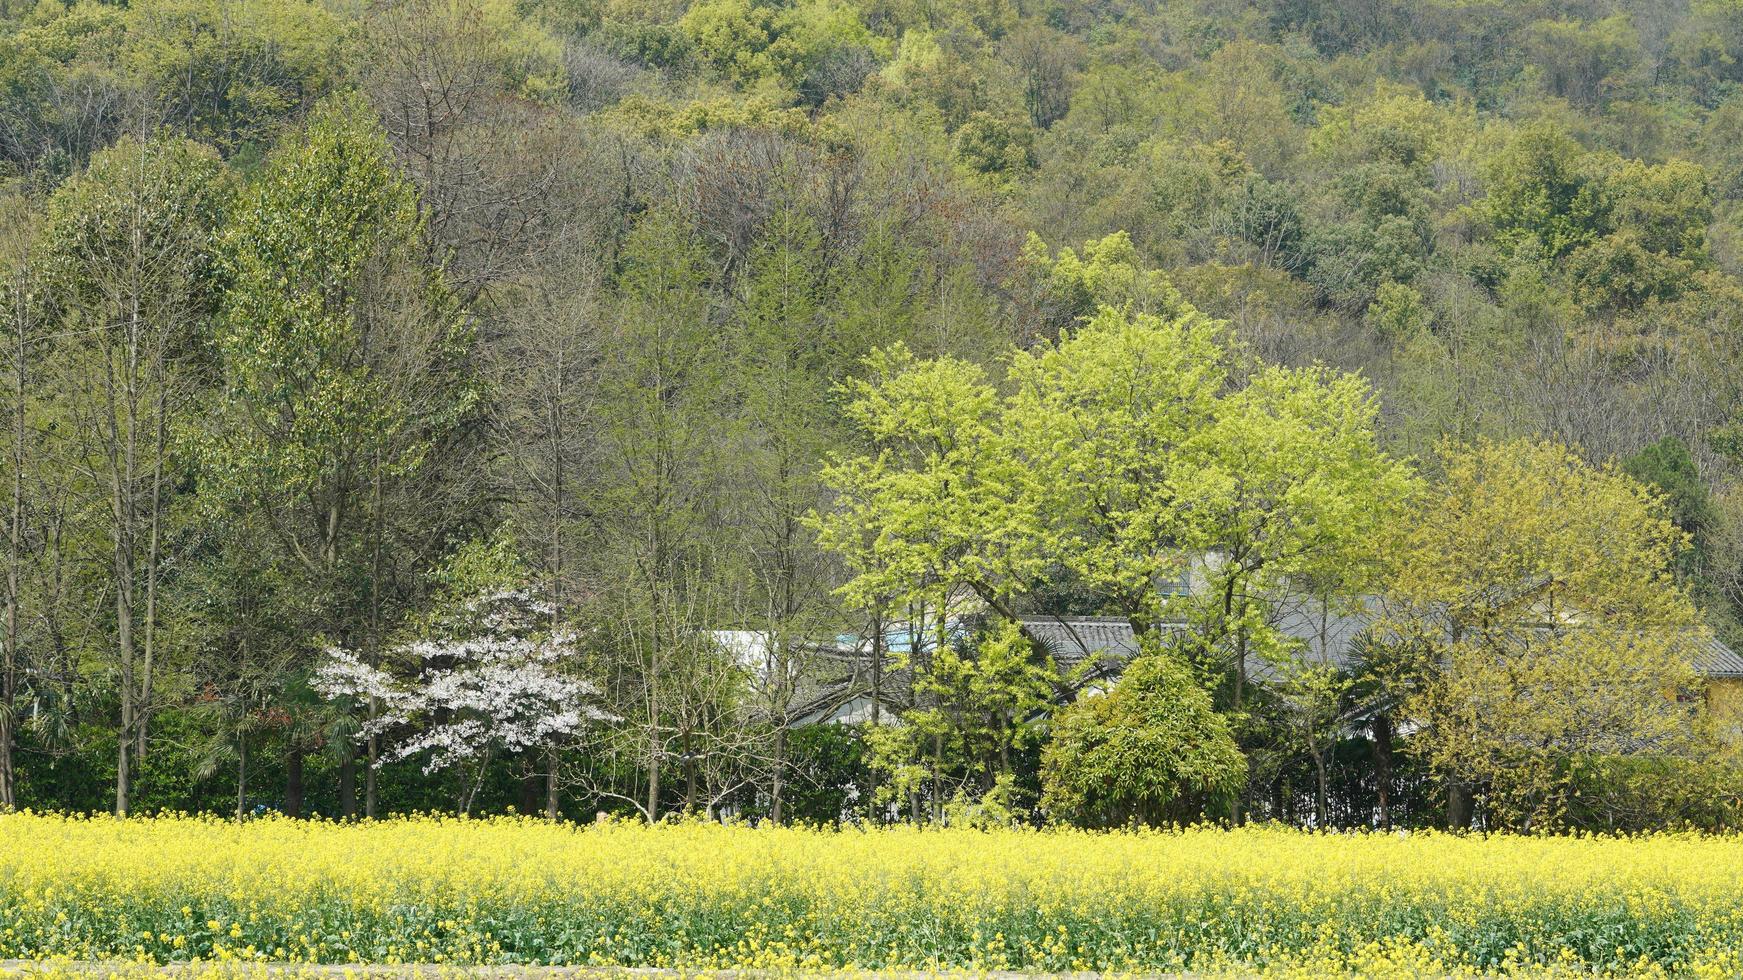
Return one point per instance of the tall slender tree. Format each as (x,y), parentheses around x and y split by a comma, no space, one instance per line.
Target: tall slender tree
(20,306)
(347,382)
(128,246)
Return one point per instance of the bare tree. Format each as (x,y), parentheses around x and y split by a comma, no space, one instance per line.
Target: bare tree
(494,166)
(128,250)
(17,295)
(544,369)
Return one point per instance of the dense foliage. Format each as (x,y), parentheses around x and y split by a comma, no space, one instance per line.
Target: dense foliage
(826,321)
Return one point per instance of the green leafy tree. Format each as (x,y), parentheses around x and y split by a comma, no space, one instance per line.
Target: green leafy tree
(128,246)
(346,383)
(1113,421)
(932,511)
(1155,479)
(983,695)
(1669,468)
(231,76)
(1152,750)
(663,567)
(1534,599)
(1540,198)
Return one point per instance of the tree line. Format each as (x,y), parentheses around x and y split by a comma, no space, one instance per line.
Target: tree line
(364,365)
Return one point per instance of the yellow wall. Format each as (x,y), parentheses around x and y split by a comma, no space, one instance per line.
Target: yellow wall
(1725,701)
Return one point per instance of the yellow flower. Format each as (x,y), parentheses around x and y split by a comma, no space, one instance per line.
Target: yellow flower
(463,892)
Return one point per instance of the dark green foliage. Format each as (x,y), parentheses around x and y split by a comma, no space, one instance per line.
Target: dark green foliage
(1150,751)
(1669,468)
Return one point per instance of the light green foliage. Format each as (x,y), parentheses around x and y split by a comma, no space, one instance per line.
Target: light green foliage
(1149,751)
(475,568)
(984,695)
(734,36)
(60,49)
(1538,196)
(128,263)
(1628,231)
(1537,605)
(1317,702)
(1068,287)
(225,74)
(1000,150)
(1583,62)
(527,54)
(1146,461)
(1668,205)
(978,701)
(932,506)
(151,206)
(1399,313)
(664,444)
(750,42)
(651,119)
(1125,456)
(1298,492)
(1394,126)
(1114,421)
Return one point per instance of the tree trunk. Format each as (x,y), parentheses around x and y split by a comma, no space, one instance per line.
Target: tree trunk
(555,564)
(470,793)
(552,811)
(1240,691)
(293,781)
(123,784)
(780,769)
(1320,794)
(1382,727)
(877,671)
(938,779)
(877,701)
(689,779)
(154,536)
(9,660)
(348,783)
(1458,806)
(124,737)
(241,779)
(369,772)
(370,793)
(119,441)
(653,776)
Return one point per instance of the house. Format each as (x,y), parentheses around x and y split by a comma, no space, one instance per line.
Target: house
(844,688)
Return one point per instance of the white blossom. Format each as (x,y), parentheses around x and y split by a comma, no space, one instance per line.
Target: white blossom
(493,683)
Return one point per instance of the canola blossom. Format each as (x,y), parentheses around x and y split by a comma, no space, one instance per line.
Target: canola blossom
(445,891)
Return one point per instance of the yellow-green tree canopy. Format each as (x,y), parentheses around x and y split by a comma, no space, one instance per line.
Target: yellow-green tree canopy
(1130,455)
(1532,596)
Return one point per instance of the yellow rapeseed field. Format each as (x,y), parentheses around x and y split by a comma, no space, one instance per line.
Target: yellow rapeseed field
(438,890)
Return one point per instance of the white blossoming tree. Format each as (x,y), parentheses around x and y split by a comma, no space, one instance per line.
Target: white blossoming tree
(488,675)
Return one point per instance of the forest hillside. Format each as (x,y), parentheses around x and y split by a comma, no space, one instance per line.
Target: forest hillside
(477,403)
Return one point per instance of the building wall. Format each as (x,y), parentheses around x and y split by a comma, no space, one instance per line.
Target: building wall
(1725,700)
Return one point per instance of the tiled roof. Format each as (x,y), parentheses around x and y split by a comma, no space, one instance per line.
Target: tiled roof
(1325,636)
(1073,640)
(1106,642)
(1718,660)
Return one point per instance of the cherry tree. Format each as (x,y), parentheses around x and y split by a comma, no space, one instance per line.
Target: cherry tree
(491,678)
